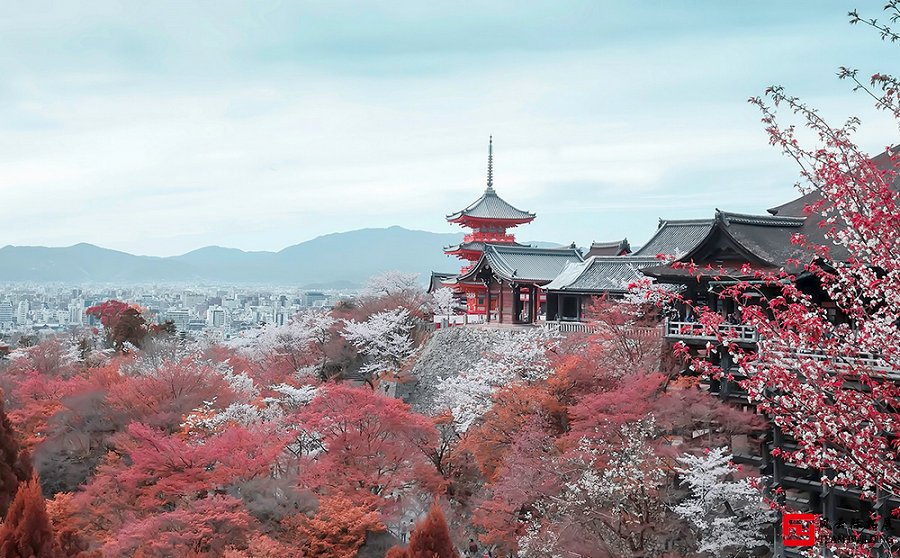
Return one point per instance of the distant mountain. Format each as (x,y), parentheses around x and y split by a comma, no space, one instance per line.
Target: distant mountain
(331,261)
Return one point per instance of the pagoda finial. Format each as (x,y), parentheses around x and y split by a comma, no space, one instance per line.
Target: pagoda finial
(490,177)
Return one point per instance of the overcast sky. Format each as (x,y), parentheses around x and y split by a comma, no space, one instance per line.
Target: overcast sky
(161,127)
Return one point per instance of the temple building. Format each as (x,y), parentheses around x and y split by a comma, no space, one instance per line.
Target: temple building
(512,277)
(764,242)
(615,248)
(571,293)
(489,219)
(508,283)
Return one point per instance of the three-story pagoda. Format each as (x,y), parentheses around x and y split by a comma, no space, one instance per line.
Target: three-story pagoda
(489,217)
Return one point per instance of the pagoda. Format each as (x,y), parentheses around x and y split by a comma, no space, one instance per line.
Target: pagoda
(489,218)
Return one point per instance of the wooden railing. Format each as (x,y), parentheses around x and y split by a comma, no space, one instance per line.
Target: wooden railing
(633,332)
(865,361)
(498,238)
(569,327)
(458,320)
(697,331)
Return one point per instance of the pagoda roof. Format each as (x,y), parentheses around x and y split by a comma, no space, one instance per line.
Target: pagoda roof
(524,263)
(491,207)
(474,246)
(674,236)
(614,248)
(600,274)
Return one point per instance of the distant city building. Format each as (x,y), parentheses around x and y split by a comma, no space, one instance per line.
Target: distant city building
(181,317)
(282,318)
(6,313)
(215,317)
(22,312)
(76,312)
(315,298)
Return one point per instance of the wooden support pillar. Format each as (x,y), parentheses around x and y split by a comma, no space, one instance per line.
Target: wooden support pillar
(487,301)
(500,304)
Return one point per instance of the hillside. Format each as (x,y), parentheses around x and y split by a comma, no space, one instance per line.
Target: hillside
(344,259)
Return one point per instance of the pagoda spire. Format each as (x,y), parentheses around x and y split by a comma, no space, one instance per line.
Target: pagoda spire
(490,176)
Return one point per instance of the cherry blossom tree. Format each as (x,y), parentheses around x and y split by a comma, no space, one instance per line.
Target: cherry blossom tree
(385,339)
(443,301)
(392,284)
(519,357)
(725,513)
(300,344)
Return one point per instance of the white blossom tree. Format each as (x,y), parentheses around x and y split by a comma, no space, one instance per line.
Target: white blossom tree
(385,339)
(516,357)
(391,283)
(300,342)
(442,300)
(727,516)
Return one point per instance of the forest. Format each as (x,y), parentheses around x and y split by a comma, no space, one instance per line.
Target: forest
(130,441)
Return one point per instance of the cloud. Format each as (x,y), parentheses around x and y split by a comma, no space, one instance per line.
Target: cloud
(158,128)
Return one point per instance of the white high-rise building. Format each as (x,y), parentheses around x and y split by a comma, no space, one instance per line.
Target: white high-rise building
(215,316)
(22,312)
(76,312)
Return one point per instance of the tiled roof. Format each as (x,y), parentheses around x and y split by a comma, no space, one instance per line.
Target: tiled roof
(438,278)
(676,237)
(491,206)
(767,237)
(600,274)
(473,246)
(764,239)
(613,248)
(525,263)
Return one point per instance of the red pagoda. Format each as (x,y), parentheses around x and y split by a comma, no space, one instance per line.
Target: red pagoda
(489,217)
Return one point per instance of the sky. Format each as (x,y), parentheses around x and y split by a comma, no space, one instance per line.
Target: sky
(160,127)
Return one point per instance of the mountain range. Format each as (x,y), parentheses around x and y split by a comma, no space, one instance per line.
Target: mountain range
(338,260)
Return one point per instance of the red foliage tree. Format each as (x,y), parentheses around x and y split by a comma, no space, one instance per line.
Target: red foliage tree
(366,445)
(430,539)
(164,483)
(64,520)
(15,465)
(204,527)
(26,531)
(337,530)
(123,323)
(162,397)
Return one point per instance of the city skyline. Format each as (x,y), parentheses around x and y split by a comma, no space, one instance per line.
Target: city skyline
(159,130)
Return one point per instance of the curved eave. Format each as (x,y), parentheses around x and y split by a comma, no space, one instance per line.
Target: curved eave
(586,292)
(669,272)
(466,220)
(470,255)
